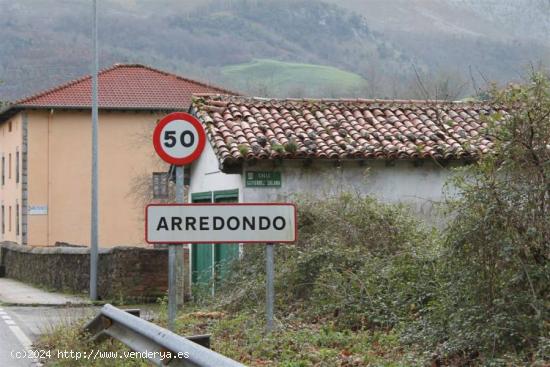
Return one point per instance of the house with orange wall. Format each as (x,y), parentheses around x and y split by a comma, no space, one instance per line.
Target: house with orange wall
(45,149)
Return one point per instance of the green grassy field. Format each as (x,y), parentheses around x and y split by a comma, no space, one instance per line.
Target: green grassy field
(273,77)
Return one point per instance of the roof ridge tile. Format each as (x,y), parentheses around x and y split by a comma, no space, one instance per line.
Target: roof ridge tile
(121,86)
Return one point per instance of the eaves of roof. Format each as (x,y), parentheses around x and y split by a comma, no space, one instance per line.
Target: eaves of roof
(242,129)
(11,110)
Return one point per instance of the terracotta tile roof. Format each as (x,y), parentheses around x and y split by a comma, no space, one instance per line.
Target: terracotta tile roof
(241,128)
(124,86)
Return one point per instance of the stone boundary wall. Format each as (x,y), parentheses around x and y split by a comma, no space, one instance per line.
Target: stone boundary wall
(129,273)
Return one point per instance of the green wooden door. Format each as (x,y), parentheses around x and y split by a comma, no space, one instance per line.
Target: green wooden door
(212,262)
(225,254)
(202,257)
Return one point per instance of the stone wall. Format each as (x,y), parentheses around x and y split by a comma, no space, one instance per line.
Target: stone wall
(130,273)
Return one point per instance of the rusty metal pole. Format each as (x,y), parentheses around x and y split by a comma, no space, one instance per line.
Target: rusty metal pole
(270,286)
(175,260)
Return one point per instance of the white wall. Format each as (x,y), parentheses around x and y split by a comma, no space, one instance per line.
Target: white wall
(206,175)
(421,187)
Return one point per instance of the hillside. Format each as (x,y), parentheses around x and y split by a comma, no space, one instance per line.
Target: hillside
(269,77)
(517,19)
(491,39)
(387,43)
(40,51)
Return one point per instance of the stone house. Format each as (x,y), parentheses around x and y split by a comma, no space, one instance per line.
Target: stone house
(263,150)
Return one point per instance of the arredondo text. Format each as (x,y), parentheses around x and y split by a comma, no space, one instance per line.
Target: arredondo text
(217,223)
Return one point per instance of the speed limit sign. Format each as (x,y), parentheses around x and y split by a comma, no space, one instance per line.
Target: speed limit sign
(179,138)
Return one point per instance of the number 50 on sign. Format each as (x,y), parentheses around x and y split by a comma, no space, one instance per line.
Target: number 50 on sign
(179,138)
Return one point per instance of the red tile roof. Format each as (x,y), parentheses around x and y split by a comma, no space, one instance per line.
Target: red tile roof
(124,86)
(241,128)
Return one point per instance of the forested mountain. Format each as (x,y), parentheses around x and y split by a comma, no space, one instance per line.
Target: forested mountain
(494,40)
(517,19)
(393,45)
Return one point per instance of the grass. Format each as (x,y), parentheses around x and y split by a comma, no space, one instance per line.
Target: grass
(241,336)
(295,343)
(66,334)
(70,338)
(278,77)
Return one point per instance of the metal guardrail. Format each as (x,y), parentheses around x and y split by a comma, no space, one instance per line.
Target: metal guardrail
(153,342)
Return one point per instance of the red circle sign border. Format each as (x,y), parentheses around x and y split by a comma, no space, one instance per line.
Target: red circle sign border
(179,116)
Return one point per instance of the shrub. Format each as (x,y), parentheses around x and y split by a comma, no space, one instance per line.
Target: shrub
(495,268)
(477,294)
(358,263)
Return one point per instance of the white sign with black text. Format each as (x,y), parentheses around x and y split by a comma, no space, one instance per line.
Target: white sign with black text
(220,223)
(38,210)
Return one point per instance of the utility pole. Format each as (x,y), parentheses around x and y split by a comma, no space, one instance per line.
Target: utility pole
(94,217)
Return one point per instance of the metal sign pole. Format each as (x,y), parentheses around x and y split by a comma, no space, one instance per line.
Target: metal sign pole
(180,266)
(270,286)
(174,260)
(171,287)
(178,139)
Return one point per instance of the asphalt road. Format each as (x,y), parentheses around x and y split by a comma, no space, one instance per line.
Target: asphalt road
(11,345)
(27,312)
(22,326)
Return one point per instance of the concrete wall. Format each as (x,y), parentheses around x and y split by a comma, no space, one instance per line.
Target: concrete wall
(420,185)
(11,139)
(59,158)
(124,272)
